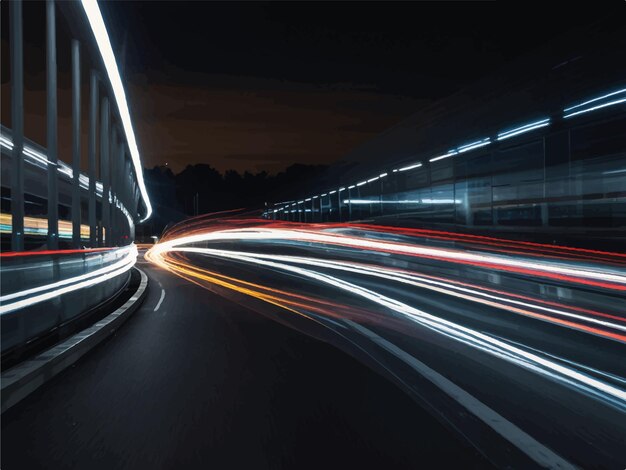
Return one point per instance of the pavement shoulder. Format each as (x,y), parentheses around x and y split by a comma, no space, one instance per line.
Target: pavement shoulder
(24,378)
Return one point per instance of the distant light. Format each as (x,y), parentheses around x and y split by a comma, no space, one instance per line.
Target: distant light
(473,145)
(403,201)
(382,175)
(34,157)
(334,191)
(361,183)
(104,45)
(523,129)
(373,179)
(410,167)
(6,142)
(600,106)
(441,157)
(352,186)
(618,92)
(325,194)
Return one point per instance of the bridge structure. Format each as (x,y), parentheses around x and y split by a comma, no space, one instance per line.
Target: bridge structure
(436,345)
(68,220)
(537,149)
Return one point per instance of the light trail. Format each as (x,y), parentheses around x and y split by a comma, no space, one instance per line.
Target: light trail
(34,295)
(94,16)
(599,277)
(193,239)
(39,226)
(472,293)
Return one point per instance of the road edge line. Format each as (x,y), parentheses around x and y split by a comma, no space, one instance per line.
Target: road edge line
(21,380)
(540,454)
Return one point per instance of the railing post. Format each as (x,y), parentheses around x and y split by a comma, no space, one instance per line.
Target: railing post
(321,209)
(112,241)
(17,118)
(119,188)
(76,206)
(93,116)
(135,204)
(339,204)
(105,226)
(51,121)
(349,204)
(127,187)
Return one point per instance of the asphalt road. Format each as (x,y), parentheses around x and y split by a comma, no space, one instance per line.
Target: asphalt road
(518,348)
(196,381)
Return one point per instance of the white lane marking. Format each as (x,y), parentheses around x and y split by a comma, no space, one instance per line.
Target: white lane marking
(523,441)
(160,300)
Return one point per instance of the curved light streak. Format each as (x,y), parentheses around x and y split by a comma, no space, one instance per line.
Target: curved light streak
(48,291)
(447,288)
(476,339)
(600,278)
(104,45)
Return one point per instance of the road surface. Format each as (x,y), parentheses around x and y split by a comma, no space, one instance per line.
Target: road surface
(195,381)
(518,346)
(511,349)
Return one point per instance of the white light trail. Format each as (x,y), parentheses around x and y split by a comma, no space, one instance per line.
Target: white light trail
(452,255)
(618,92)
(441,157)
(104,45)
(594,108)
(468,336)
(410,167)
(40,160)
(474,145)
(68,285)
(523,129)
(403,201)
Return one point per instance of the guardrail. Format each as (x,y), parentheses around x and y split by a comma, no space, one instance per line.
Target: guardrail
(45,290)
(49,204)
(105,211)
(35,174)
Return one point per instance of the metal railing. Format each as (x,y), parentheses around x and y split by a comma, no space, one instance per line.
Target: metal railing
(110,219)
(78,226)
(42,291)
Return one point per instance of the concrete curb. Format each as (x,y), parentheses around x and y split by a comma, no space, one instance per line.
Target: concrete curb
(25,378)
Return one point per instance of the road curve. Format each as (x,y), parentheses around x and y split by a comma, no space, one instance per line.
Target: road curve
(518,347)
(193,380)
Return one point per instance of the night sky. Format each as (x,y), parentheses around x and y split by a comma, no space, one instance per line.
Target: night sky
(256,86)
